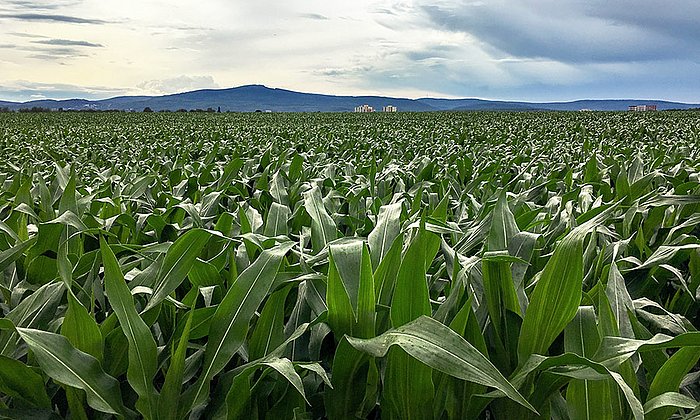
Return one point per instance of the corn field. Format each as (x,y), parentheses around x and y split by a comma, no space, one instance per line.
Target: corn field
(313,266)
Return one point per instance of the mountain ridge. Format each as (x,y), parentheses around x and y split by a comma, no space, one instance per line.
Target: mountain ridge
(249,98)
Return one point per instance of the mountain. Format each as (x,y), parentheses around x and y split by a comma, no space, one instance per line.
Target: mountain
(258,97)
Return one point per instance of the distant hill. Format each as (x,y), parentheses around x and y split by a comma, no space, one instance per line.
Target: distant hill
(250,98)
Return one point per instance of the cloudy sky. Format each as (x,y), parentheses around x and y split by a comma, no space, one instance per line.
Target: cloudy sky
(538,50)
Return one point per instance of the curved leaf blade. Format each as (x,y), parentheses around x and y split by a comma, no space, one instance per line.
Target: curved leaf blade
(66,364)
(442,349)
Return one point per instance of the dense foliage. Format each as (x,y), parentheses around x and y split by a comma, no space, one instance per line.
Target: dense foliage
(405,266)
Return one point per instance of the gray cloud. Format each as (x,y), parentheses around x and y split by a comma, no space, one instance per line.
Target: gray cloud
(344,72)
(22,90)
(41,17)
(52,52)
(56,53)
(313,16)
(575,32)
(41,5)
(432,53)
(25,35)
(68,43)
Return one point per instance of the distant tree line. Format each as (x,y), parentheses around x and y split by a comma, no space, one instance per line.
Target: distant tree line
(35,109)
(148,109)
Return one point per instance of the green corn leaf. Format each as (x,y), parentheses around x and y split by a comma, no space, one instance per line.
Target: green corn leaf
(669,377)
(557,295)
(20,382)
(620,301)
(269,329)
(503,307)
(385,231)
(614,351)
(577,367)
(444,350)
(143,361)
(80,328)
(586,399)
(35,311)
(408,386)
(229,326)
(285,368)
(169,399)
(177,263)
(323,228)
(457,396)
(385,281)
(503,226)
(65,364)
(11,255)
(350,293)
(277,217)
(670,401)
(350,374)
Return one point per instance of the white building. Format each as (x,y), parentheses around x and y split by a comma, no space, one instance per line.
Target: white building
(364,108)
(389,108)
(642,108)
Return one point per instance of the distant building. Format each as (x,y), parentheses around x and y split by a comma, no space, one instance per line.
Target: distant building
(364,108)
(389,108)
(640,108)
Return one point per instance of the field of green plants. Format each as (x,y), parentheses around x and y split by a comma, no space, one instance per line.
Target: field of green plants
(343,266)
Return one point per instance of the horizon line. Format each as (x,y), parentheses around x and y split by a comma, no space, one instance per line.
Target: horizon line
(350,95)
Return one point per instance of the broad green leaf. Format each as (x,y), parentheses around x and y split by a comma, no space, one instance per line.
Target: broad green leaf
(80,328)
(68,200)
(169,399)
(323,228)
(20,382)
(285,368)
(385,231)
(11,255)
(277,217)
(457,396)
(350,293)
(503,308)
(229,326)
(586,399)
(65,364)
(669,377)
(615,350)
(349,377)
(411,299)
(671,401)
(385,282)
(577,367)
(269,329)
(143,359)
(557,295)
(503,226)
(620,301)
(444,350)
(408,385)
(177,263)
(34,311)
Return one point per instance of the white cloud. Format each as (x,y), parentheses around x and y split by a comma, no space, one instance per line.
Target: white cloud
(177,84)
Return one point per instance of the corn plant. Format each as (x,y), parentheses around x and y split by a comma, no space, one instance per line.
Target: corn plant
(406,266)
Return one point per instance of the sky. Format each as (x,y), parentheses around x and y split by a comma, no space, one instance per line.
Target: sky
(537,50)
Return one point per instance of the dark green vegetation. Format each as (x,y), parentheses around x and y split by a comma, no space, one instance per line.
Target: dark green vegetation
(407,266)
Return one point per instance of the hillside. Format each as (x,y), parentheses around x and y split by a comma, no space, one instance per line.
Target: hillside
(250,98)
